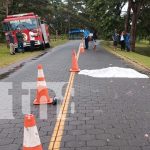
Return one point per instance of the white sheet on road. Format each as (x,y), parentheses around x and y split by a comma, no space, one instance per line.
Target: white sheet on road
(113,72)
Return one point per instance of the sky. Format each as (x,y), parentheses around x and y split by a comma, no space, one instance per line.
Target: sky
(124,9)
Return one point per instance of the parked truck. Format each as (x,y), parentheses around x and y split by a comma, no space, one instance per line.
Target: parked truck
(27,22)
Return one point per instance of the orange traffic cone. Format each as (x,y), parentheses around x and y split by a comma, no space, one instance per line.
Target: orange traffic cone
(82,50)
(31,140)
(42,96)
(75,67)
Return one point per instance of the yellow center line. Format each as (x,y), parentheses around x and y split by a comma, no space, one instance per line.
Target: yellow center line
(59,126)
(78,52)
(60,123)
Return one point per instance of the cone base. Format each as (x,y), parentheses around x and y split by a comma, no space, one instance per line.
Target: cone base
(50,101)
(81,50)
(74,70)
(33,148)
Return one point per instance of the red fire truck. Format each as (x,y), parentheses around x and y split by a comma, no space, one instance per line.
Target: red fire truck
(27,22)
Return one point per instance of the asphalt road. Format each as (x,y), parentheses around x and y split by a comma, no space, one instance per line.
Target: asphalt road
(109,114)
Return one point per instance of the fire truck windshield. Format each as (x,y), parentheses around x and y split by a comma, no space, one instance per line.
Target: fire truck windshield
(22,24)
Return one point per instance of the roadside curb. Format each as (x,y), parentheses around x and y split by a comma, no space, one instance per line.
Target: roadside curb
(135,64)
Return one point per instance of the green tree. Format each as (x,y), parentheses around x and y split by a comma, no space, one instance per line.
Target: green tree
(137,7)
(144,24)
(106,15)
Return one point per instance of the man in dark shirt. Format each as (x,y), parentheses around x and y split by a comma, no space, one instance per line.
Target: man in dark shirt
(94,39)
(11,43)
(86,37)
(115,39)
(20,40)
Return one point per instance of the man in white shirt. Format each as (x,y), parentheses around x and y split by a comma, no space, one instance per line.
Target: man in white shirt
(32,39)
(122,41)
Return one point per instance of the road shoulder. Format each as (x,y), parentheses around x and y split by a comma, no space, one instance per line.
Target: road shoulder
(133,63)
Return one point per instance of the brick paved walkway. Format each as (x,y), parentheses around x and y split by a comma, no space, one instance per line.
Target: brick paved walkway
(110,114)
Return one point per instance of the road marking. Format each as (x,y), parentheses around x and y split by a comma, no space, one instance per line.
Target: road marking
(78,52)
(60,123)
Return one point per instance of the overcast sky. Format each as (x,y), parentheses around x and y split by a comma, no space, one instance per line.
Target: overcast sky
(125,7)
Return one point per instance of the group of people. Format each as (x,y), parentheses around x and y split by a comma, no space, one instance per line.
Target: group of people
(20,40)
(88,37)
(123,39)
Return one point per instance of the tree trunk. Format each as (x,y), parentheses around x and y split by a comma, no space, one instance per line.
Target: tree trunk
(6,5)
(128,17)
(133,30)
(137,8)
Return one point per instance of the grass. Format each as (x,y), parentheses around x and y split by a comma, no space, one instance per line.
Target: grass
(143,48)
(141,56)
(7,59)
(57,42)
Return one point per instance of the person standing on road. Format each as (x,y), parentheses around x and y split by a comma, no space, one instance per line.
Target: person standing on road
(86,37)
(11,43)
(115,39)
(94,39)
(20,39)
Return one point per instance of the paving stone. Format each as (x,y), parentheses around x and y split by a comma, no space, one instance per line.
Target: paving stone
(95,131)
(74,144)
(4,121)
(108,148)
(6,126)
(18,141)
(118,142)
(10,130)
(85,137)
(145,148)
(45,139)
(96,143)
(85,127)
(68,138)
(130,147)
(70,127)
(76,122)
(110,114)
(67,148)
(15,135)
(76,132)
(86,148)
(104,136)
(6,141)
(10,147)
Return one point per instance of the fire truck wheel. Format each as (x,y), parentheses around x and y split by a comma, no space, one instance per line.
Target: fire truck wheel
(47,45)
(42,46)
